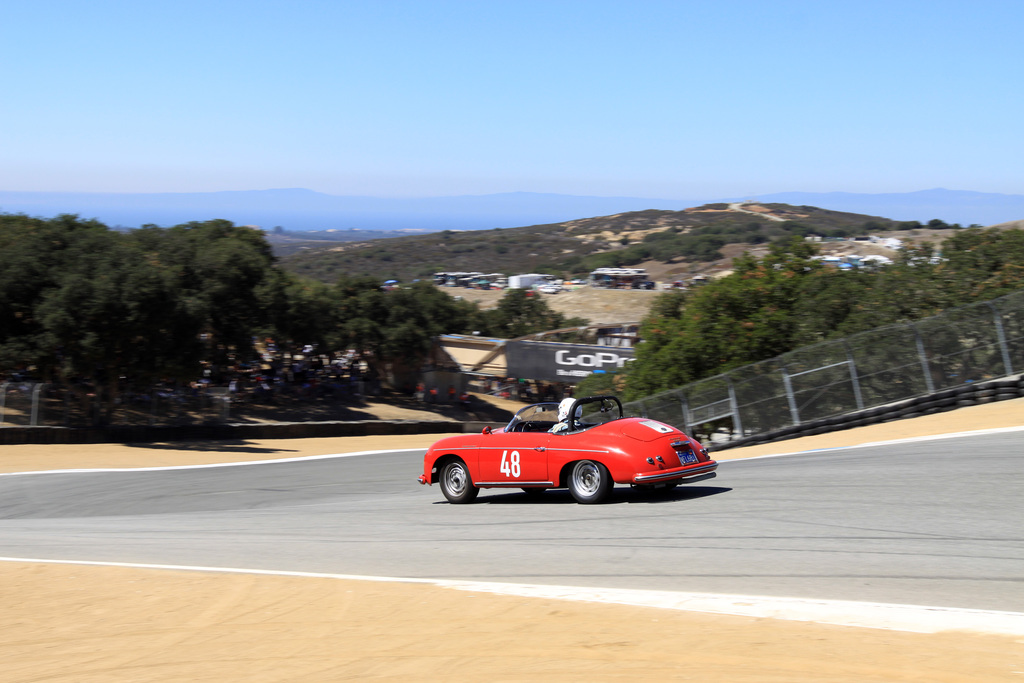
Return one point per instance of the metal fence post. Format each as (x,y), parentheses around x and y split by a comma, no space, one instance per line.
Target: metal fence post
(686,412)
(790,396)
(33,420)
(853,376)
(737,423)
(1001,335)
(928,382)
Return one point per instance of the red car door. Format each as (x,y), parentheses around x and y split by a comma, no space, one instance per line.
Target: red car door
(514,459)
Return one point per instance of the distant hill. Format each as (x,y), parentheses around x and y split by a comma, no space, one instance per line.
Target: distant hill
(688,239)
(306,210)
(951,206)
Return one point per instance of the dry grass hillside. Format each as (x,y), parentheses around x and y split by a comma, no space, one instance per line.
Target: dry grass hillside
(596,305)
(573,248)
(686,240)
(1011,225)
(613,306)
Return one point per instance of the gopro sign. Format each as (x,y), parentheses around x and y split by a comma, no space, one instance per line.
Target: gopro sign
(563,362)
(597,361)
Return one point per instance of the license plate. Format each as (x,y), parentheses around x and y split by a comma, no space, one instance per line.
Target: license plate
(687,457)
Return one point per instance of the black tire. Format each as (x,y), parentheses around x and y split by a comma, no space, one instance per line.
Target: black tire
(456,484)
(590,482)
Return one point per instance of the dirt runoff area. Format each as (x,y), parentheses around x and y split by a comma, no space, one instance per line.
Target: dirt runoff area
(75,623)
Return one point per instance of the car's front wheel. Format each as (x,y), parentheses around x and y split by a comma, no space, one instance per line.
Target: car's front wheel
(590,482)
(456,484)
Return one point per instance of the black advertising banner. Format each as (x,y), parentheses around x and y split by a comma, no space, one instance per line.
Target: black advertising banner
(555,362)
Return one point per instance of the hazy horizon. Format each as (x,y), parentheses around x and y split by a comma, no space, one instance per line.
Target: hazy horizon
(301,209)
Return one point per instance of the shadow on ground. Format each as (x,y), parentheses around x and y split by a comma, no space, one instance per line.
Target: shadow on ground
(209,445)
(620,495)
(387,405)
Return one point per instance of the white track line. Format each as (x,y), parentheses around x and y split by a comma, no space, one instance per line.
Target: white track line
(909,618)
(213,464)
(891,442)
(957,435)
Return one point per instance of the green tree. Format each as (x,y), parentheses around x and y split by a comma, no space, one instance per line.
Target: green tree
(519,313)
(222,268)
(117,314)
(986,263)
(745,317)
(300,311)
(80,300)
(395,330)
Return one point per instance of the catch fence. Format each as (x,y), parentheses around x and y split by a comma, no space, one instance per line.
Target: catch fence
(38,404)
(961,346)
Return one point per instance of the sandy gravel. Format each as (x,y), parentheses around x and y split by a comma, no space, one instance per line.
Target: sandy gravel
(67,623)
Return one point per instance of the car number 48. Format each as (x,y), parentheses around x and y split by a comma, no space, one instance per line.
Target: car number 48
(510,464)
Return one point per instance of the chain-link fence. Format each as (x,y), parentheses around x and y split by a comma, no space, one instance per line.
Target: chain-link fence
(28,403)
(965,345)
(38,404)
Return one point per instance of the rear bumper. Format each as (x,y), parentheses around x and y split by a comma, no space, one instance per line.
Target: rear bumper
(682,474)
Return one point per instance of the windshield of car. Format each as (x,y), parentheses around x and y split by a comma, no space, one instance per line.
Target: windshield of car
(538,412)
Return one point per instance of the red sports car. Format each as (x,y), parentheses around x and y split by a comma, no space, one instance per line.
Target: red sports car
(587,447)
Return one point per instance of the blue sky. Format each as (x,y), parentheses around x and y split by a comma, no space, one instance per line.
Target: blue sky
(396,98)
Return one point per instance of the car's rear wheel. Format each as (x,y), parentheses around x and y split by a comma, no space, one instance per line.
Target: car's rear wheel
(590,482)
(456,484)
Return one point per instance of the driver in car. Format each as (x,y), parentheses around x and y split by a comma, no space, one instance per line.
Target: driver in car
(563,415)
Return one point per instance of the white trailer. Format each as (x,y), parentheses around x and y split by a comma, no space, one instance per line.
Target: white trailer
(529,280)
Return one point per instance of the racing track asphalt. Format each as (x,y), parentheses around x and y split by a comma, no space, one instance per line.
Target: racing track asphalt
(928,523)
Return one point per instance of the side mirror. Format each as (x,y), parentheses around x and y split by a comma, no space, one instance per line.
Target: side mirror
(486,430)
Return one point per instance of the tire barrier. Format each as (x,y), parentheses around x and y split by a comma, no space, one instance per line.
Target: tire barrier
(977,393)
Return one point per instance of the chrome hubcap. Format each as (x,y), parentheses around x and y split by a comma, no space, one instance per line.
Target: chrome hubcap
(455,479)
(587,477)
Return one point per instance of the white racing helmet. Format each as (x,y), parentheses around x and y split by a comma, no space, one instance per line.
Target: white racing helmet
(565,406)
